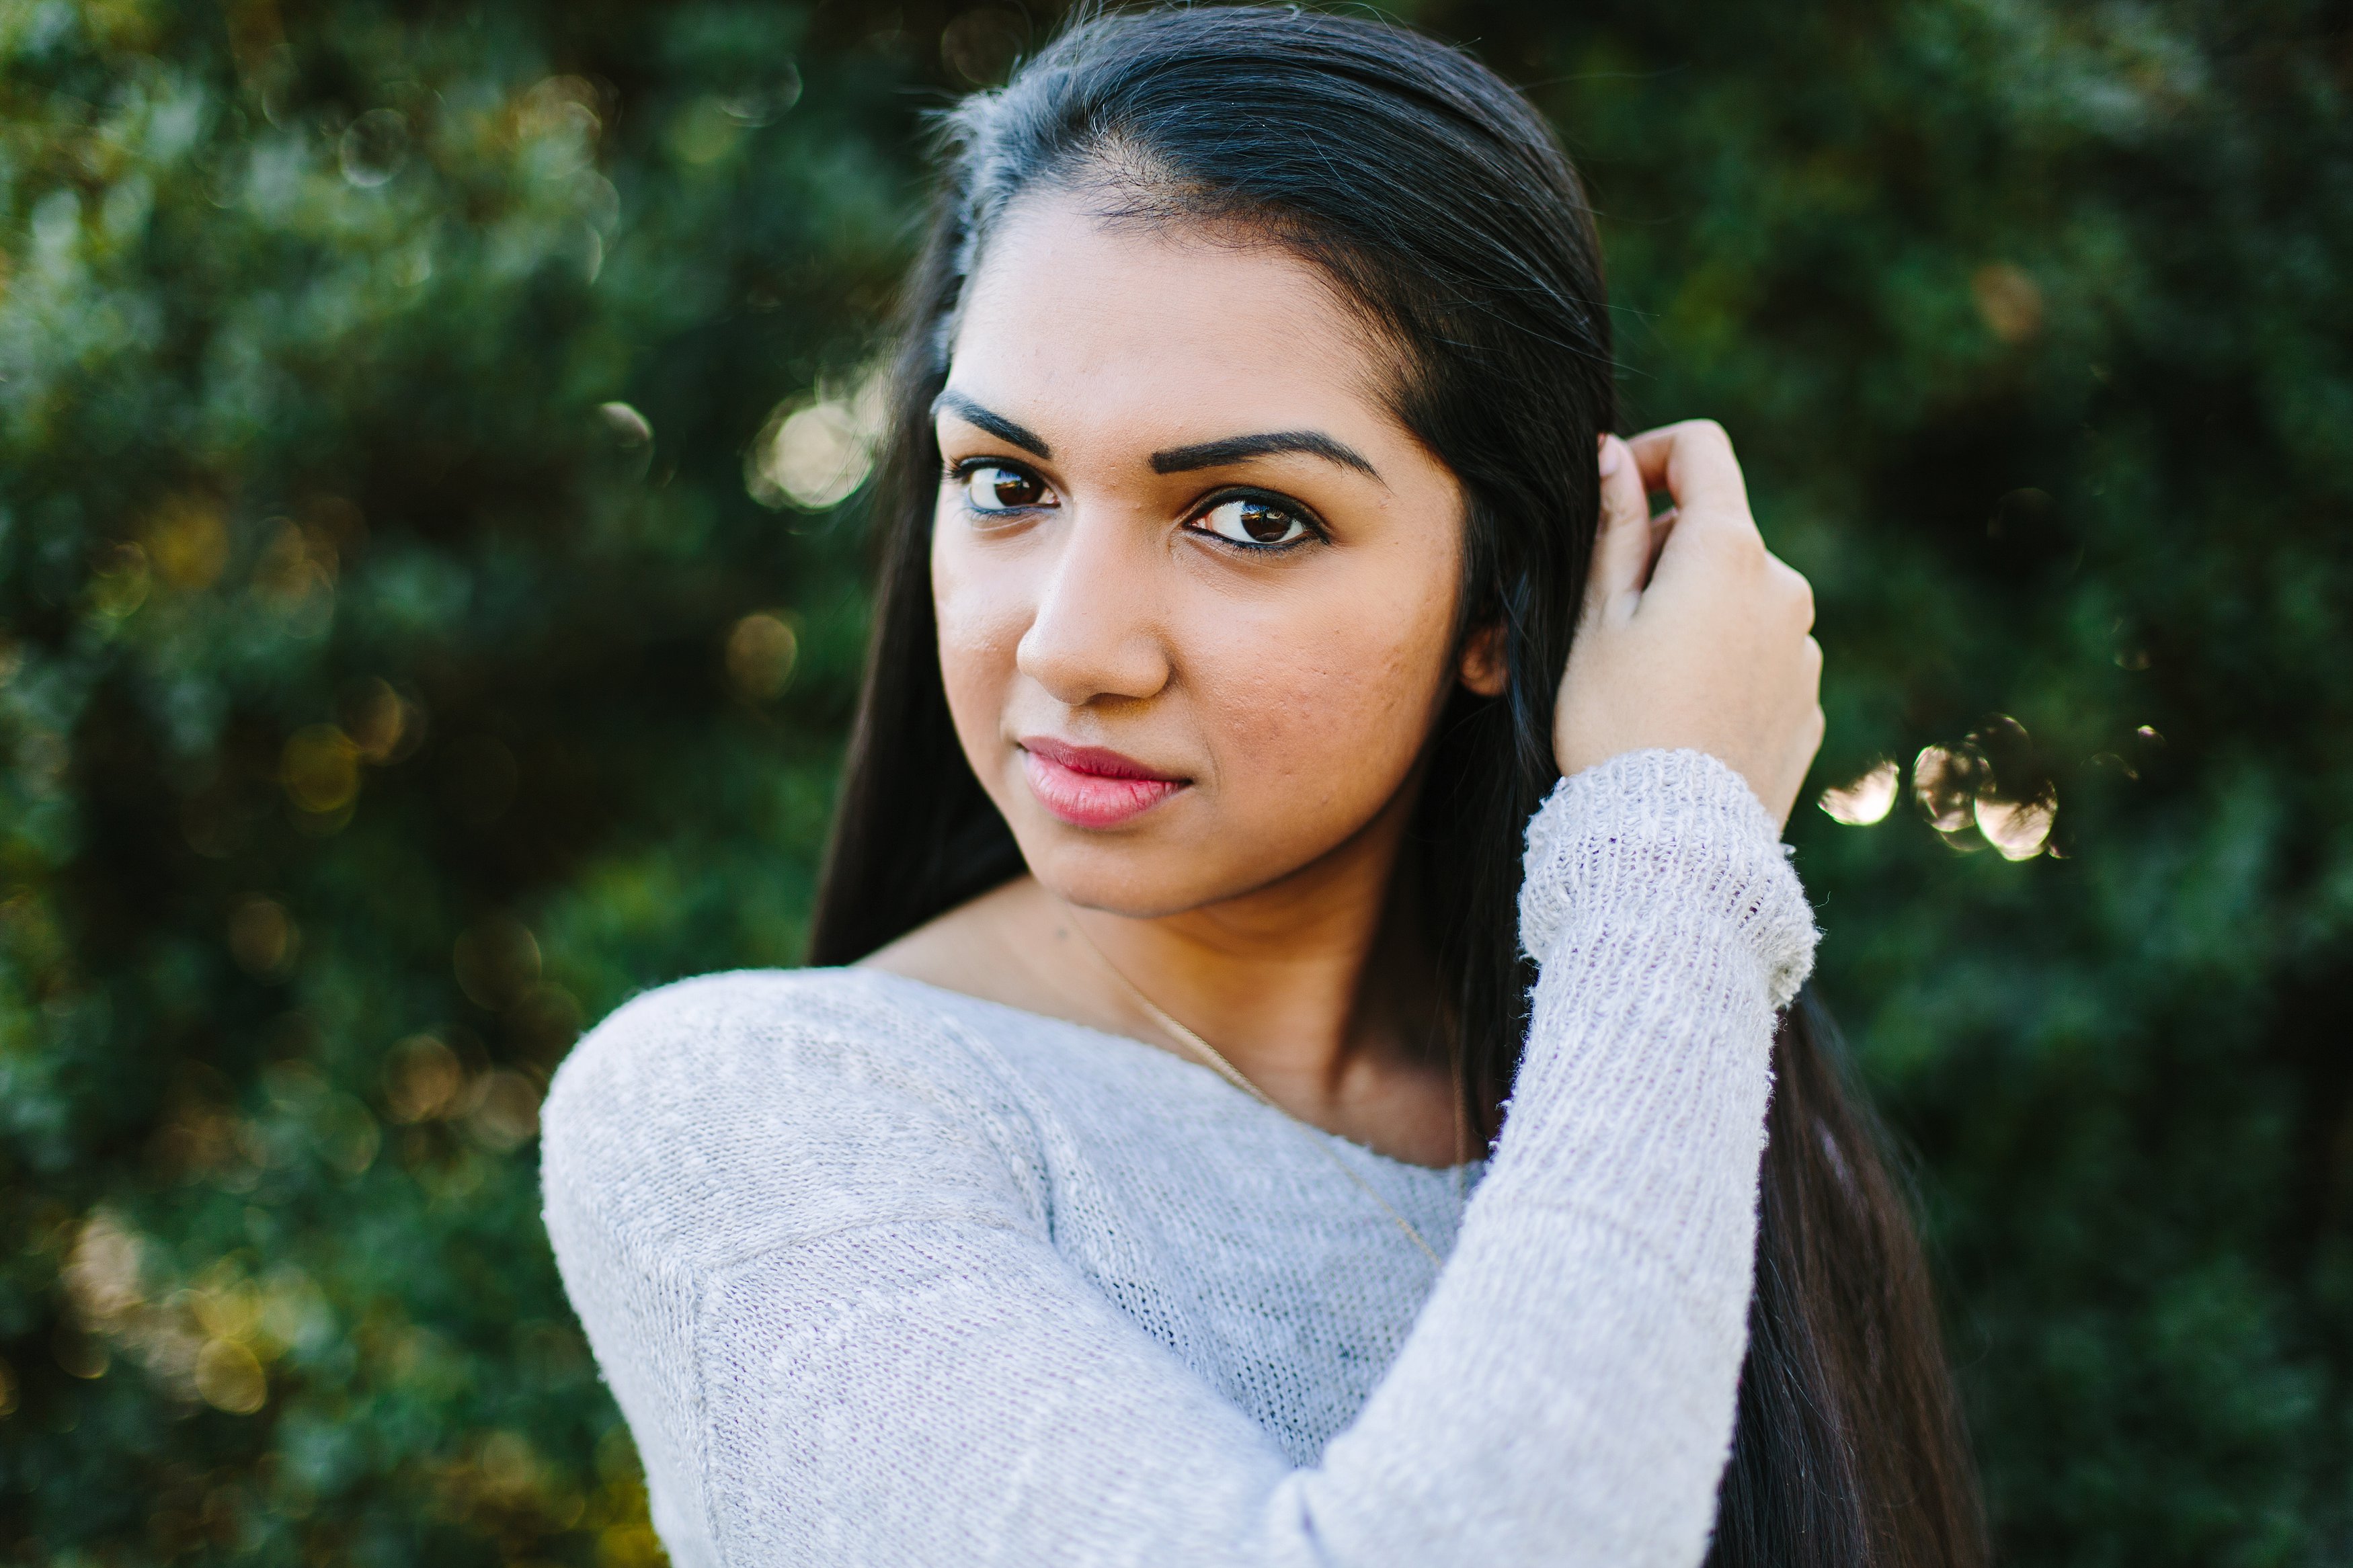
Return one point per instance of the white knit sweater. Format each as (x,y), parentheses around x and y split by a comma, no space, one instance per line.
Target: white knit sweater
(881,1274)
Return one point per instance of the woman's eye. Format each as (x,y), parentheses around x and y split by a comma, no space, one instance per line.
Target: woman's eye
(992,486)
(1247,520)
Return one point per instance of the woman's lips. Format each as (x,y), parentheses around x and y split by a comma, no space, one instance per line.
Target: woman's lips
(1087,786)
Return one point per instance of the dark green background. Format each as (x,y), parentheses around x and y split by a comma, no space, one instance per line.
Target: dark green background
(367,717)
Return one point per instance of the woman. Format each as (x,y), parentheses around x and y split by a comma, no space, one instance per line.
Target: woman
(1212,896)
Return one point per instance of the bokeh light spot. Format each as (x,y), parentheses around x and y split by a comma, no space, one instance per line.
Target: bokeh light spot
(345,1135)
(761,106)
(2008,301)
(497,961)
(628,428)
(320,769)
(119,581)
(383,725)
(102,1276)
(813,455)
(703,131)
(761,652)
(79,1354)
(506,1111)
(296,574)
(1867,800)
(263,938)
(422,1079)
(230,1378)
(1943,780)
(561,109)
(981,45)
(373,148)
(2017,829)
(187,540)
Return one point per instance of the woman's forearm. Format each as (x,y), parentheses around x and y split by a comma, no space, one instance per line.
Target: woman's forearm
(1568,1392)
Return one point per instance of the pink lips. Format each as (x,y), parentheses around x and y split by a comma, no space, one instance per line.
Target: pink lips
(1087,786)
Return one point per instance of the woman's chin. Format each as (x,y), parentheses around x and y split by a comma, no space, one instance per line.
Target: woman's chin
(1140,876)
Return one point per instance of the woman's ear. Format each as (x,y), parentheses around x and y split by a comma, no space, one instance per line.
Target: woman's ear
(1483,669)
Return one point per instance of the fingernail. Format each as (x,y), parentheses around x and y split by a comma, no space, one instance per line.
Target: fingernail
(1613,454)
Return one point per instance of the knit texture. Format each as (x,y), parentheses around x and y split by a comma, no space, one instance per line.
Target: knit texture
(881,1274)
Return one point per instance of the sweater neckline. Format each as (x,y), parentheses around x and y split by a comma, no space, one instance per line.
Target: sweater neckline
(1197,1072)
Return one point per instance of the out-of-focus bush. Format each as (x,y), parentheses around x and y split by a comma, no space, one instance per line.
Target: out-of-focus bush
(398,672)
(425,619)
(2035,326)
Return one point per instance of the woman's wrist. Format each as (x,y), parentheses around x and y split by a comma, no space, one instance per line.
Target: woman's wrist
(1679,826)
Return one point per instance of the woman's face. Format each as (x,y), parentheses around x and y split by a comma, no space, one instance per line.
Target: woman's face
(1195,584)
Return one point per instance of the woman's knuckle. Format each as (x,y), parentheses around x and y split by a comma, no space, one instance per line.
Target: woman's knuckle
(1726,544)
(1788,582)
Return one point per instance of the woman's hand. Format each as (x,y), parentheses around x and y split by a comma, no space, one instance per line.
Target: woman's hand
(1694,634)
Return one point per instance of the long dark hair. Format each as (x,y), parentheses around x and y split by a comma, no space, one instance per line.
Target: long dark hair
(1444,209)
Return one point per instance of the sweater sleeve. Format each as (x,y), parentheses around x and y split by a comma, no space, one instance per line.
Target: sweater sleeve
(820,1272)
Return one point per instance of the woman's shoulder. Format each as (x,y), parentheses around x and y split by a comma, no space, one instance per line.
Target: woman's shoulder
(768,1019)
(763,1090)
(753,1024)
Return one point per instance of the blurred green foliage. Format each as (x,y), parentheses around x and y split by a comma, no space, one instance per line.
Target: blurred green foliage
(423,623)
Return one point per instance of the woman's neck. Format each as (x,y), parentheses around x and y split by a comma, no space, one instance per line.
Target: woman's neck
(1316,986)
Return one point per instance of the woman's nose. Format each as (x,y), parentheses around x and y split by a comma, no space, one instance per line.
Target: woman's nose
(1096,632)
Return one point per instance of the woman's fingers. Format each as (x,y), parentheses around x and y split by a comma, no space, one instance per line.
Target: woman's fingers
(1693,463)
(1622,546)
(1662,527)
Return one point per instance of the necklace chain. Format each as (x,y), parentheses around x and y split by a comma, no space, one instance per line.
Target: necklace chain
(1216,1061)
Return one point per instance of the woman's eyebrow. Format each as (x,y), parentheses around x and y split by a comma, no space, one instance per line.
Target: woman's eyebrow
(996,425)
(1235,448)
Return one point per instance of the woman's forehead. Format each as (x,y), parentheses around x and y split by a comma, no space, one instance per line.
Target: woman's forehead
(1172,333)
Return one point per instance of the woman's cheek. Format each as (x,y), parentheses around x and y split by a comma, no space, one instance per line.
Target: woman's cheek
(980,628)
(1329,728)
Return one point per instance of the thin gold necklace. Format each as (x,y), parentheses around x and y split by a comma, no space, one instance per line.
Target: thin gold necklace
(1215,1059)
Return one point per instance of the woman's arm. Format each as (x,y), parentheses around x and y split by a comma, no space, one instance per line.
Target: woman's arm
(1567,1396)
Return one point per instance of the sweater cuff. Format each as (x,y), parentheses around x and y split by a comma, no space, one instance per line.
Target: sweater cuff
(1679,824)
